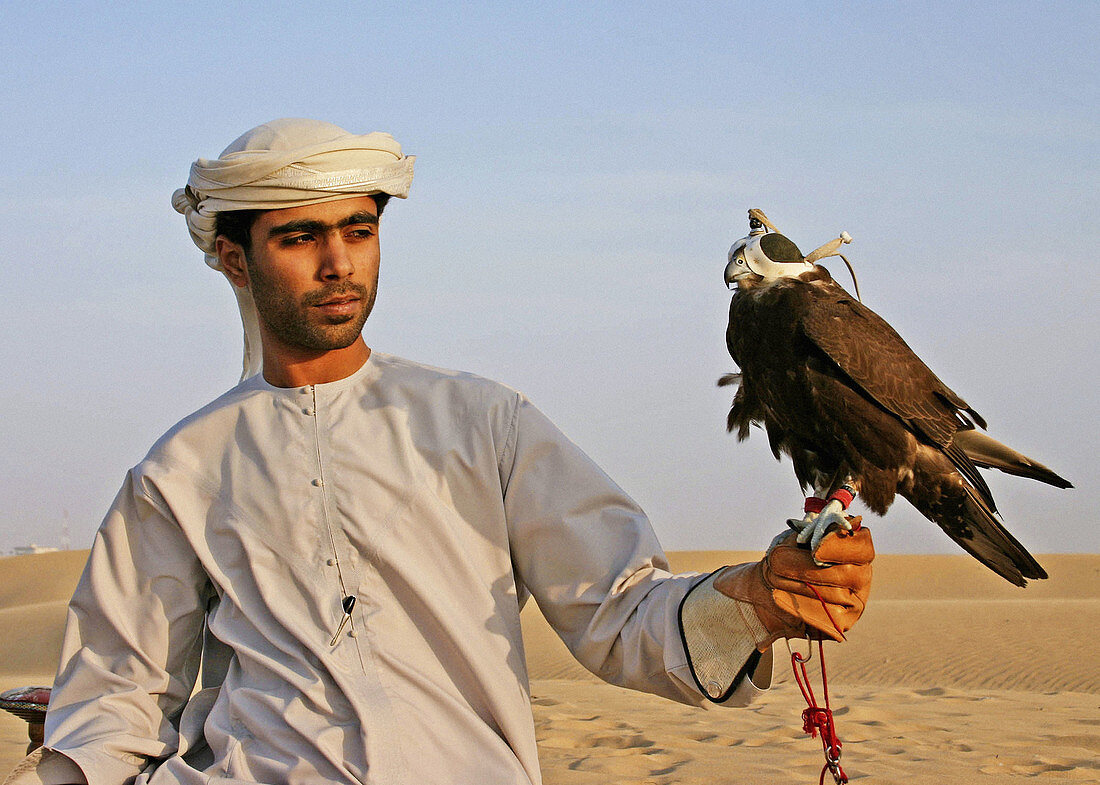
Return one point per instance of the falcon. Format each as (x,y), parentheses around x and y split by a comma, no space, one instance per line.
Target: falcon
(858,413)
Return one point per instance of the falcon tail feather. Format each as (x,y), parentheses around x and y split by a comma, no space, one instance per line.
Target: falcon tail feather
(989,453)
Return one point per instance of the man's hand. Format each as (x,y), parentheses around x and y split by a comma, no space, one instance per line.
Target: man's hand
(792,595)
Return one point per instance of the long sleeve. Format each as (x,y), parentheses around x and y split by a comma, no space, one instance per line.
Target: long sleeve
(132,644)
(587,554)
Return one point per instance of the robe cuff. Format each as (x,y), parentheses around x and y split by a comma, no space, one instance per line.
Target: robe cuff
(46,767)
(721,637)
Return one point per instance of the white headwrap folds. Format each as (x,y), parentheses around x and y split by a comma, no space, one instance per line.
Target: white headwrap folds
(286,163)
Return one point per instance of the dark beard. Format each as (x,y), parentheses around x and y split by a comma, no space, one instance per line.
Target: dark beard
(289,320)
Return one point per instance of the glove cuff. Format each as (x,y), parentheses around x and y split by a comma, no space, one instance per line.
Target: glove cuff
(723,638)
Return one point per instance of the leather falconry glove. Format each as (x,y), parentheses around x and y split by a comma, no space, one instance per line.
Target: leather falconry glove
(793,596)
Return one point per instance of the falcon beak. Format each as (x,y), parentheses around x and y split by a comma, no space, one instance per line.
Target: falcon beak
(732,272)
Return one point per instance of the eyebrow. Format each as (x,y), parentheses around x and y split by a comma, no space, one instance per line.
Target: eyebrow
(313,226)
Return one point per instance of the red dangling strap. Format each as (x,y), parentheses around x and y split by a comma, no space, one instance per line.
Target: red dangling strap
(816,718)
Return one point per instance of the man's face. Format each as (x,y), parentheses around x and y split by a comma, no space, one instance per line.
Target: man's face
(313,274)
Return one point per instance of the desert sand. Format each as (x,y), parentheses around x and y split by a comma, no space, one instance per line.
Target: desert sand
(952,676)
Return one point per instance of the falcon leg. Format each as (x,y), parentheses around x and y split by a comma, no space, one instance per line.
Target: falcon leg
(832,514)
(813,527)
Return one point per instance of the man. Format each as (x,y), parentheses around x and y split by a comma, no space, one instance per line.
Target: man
(336,551)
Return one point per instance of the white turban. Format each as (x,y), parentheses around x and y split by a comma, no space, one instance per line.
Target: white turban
(286,163)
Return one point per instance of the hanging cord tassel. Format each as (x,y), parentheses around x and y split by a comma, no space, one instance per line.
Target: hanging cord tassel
(816,718)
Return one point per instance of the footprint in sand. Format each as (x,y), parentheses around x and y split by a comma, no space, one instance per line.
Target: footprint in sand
(1032,767)
(931,691)
(629,766)
(616,741)
(703,737)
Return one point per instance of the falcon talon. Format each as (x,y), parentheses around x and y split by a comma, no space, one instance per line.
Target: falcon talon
(797,524)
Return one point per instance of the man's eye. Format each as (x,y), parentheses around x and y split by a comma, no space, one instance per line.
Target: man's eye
(297,239)
(361,234)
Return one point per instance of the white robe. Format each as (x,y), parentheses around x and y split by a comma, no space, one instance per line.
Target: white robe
(440,501)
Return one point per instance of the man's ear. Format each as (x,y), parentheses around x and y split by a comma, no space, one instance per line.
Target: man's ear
(232,258)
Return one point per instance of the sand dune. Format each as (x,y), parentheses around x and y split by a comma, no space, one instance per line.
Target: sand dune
(952,676)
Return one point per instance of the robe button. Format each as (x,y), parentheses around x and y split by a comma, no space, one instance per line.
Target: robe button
(330,562)
(351,633)
(308,410)
(303,390)
(714,690)
(315,483)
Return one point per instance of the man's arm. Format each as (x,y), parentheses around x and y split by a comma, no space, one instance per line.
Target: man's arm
(588,555)
(132,644)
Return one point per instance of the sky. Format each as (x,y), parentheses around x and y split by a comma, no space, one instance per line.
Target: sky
(582,169)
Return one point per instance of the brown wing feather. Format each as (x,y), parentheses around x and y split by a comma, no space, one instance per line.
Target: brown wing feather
(943,496)
(870,352)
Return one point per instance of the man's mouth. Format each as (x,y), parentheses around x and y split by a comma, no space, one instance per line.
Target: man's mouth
(342,305)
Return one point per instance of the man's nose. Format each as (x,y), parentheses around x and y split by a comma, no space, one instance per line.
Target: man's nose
(336,262)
